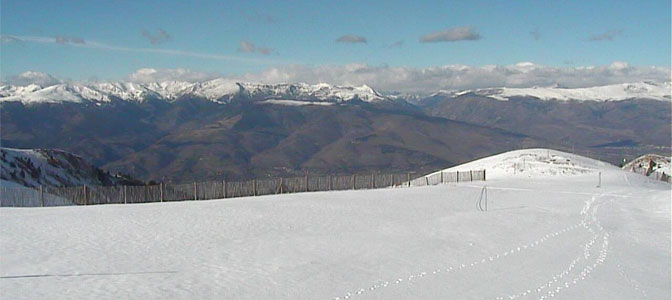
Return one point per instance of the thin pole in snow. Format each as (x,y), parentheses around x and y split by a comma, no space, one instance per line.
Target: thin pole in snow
(41,196)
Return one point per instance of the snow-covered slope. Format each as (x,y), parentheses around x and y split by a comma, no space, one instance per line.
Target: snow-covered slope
(615,92)
(218,90)
(652,165)
(51,167)
(302,91)
(534,163)
(542,237)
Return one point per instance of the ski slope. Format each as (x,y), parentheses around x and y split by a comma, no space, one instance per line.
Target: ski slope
(546,234)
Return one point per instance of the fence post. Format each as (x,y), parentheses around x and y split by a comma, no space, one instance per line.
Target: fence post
(306,181)
(195,192)
(41,196)
(224,188)
(354,180)
(330,184)
(408,178)
(86,197)
(483,174)
(125,197)
(471,175)
(281,183)
(441,176)
(254,187)
(426,180)
(161,191)
(373,181)
(458,176)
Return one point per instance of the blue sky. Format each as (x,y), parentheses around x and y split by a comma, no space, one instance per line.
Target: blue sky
(105,40)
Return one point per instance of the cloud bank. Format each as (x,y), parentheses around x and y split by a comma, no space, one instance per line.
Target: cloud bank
(31,77)
(414,80)
(147,75)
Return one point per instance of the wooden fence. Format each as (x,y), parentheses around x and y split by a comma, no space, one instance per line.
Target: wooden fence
(91,195)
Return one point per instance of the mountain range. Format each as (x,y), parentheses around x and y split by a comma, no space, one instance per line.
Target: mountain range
(213,129)
(225,90)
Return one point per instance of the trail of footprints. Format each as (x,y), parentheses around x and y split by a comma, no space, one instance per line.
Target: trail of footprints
(383,284)
(545,290)
(634,284)
(555,281)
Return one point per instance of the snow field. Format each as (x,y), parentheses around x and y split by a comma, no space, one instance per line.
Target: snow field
(543,237)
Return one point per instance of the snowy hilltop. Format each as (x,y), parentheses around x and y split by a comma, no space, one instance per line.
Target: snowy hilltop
(652,165)
(534,162)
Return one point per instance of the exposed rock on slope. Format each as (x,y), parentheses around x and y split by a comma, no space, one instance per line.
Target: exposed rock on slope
(652,165)
(50,167)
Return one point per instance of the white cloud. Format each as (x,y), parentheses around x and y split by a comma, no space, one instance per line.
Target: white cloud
(451,35)
(32,77)
(157,75)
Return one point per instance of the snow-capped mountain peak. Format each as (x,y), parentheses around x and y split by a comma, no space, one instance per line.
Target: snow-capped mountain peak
(307,92)
(218,90)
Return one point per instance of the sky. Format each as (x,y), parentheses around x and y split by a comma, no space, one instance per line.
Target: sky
(271,40)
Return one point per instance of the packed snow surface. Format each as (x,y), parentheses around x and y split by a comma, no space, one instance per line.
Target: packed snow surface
(543,236)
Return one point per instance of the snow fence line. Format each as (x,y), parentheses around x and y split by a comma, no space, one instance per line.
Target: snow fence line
(209,190)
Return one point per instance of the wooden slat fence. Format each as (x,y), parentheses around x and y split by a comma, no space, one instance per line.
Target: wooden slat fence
(91,195)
